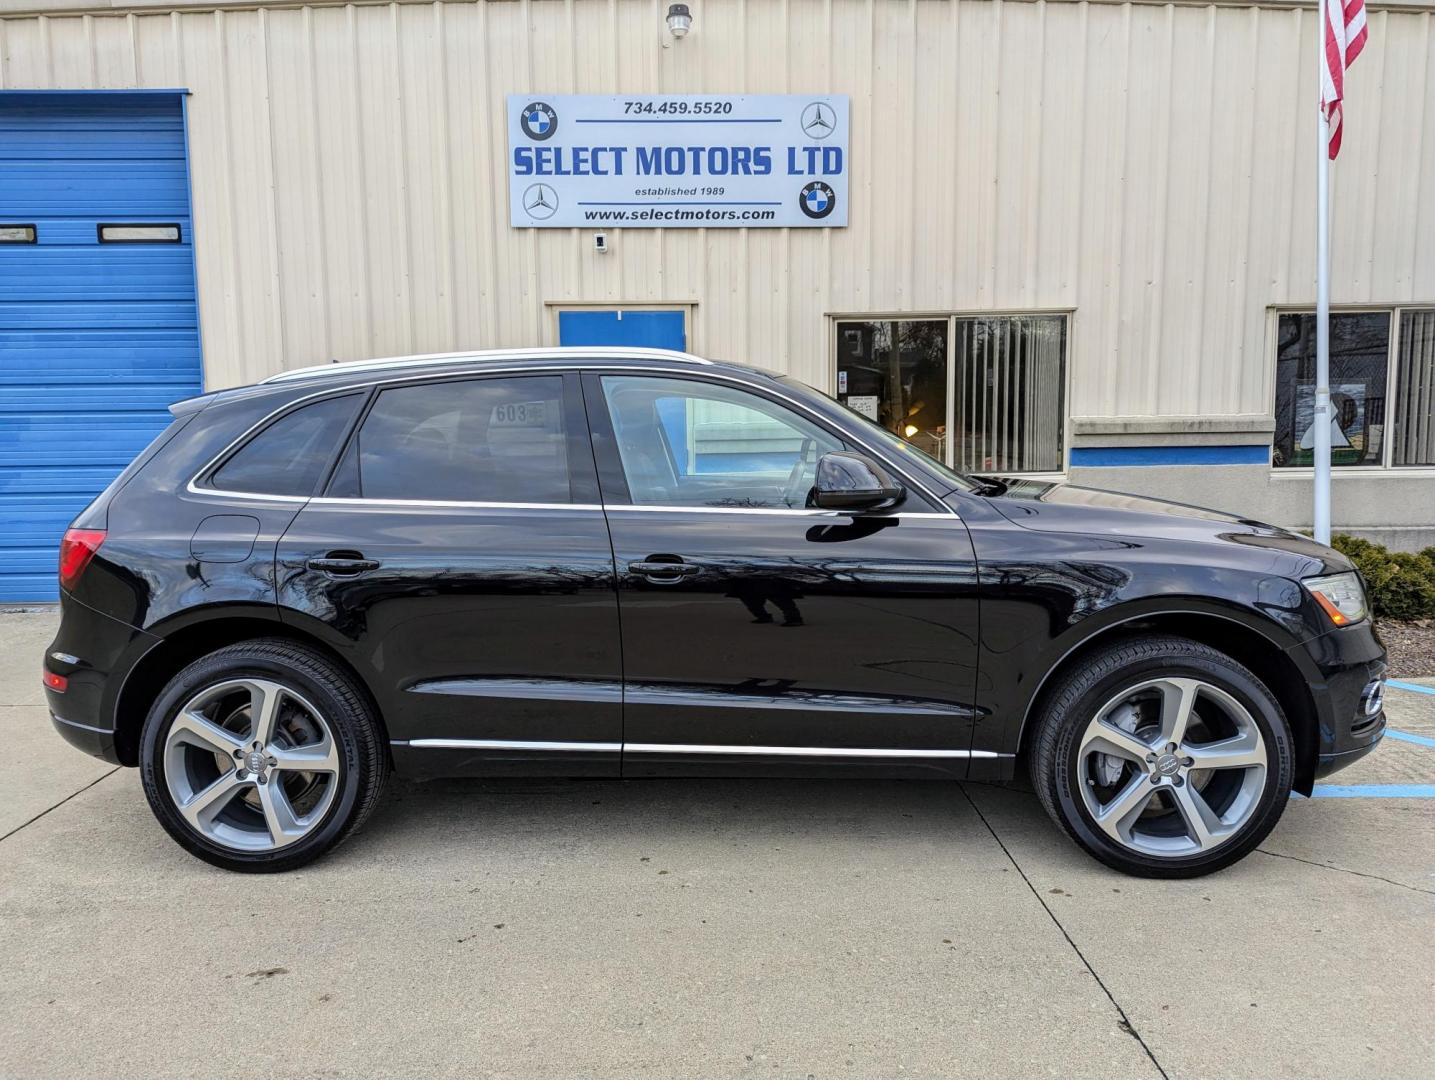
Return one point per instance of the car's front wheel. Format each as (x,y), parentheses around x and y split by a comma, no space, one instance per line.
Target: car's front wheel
(261,756)
(1163,757)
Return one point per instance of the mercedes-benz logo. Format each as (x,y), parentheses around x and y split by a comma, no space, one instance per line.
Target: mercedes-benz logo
(818,120)
(540,201)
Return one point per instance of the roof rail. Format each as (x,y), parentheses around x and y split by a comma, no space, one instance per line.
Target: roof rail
(596,352)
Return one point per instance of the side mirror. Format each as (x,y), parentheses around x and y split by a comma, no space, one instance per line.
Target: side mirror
(847,481)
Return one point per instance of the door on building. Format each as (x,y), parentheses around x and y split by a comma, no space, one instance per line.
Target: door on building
(99,331)
(640,328)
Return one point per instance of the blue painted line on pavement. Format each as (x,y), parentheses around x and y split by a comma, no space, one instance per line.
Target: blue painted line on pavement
(1416,687)
(1405,736)
(1374,791)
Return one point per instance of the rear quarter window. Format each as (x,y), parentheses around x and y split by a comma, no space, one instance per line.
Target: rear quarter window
(290,455)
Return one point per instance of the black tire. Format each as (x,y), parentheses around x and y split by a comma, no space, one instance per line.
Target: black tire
(357,734)
(1078,696)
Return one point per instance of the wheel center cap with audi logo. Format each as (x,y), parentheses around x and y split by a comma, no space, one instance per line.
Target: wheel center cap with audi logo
(1168,765)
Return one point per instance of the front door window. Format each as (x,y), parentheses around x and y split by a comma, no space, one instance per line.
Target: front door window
(686,443)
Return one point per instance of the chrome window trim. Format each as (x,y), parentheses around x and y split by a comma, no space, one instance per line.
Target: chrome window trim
(802,510)
(696,748)
(225,493)
(447,504)
(614,364)
(455,504)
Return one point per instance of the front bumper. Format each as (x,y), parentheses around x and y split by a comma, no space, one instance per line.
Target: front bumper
(1348,694)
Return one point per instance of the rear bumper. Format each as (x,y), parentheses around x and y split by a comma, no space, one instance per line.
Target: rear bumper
(97,742)
(94,652)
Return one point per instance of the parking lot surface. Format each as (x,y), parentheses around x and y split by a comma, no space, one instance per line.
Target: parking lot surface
(706,928)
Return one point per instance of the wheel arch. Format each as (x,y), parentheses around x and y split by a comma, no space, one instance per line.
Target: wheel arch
(1253,647)
(181,645)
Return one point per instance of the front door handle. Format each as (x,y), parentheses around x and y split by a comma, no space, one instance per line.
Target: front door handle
(663,570)
(342,562)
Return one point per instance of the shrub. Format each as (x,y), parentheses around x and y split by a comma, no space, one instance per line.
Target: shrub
(1400,584)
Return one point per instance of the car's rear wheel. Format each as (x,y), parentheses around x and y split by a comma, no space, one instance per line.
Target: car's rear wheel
(1163,757)
(261,756)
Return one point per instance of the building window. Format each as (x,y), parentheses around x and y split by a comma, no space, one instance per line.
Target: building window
(895,372)
(981,393)
(1413,437)
(137,234)
(1382,365)
(1010,383)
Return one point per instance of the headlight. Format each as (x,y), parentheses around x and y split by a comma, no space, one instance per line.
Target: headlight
(1340,596)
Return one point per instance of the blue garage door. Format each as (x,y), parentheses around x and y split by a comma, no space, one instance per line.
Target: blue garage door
(99,331)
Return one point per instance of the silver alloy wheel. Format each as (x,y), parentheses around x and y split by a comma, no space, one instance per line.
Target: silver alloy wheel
(251,765)
(1172,767)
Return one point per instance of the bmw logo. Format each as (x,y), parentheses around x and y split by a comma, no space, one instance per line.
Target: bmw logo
(817,199)
(538,120)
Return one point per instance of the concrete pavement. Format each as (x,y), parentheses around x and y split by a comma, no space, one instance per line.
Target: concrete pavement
(701,928)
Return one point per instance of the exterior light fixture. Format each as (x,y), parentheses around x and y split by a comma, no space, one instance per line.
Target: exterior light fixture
(680,20)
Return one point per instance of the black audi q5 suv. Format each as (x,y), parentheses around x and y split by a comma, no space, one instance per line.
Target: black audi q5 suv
(633,563)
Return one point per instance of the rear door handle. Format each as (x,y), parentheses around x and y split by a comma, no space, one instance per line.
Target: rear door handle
(342,563)
(663,571)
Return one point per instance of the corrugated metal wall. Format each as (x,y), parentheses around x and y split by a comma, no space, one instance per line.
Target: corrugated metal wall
(1147,166)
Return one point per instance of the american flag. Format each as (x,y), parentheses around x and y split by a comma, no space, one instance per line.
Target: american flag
(1344,38)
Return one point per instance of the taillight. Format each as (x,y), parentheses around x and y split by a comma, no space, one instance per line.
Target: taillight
(57,683)
(76,550)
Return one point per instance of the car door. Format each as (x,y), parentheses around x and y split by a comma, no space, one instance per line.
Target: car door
(760,634)
(460,556)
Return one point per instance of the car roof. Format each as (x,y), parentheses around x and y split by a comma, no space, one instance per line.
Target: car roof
(349,374)
(596,355)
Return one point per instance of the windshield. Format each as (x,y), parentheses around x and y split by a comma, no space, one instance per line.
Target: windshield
(895,443)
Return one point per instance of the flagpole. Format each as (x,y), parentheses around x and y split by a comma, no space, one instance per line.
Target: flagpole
(1321,418)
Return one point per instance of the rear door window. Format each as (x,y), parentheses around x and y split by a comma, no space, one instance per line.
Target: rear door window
(483,440)
(290,455)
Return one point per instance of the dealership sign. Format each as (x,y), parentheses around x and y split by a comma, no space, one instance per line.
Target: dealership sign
(691,161)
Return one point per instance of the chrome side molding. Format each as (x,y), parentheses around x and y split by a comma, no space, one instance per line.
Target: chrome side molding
(695,748)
